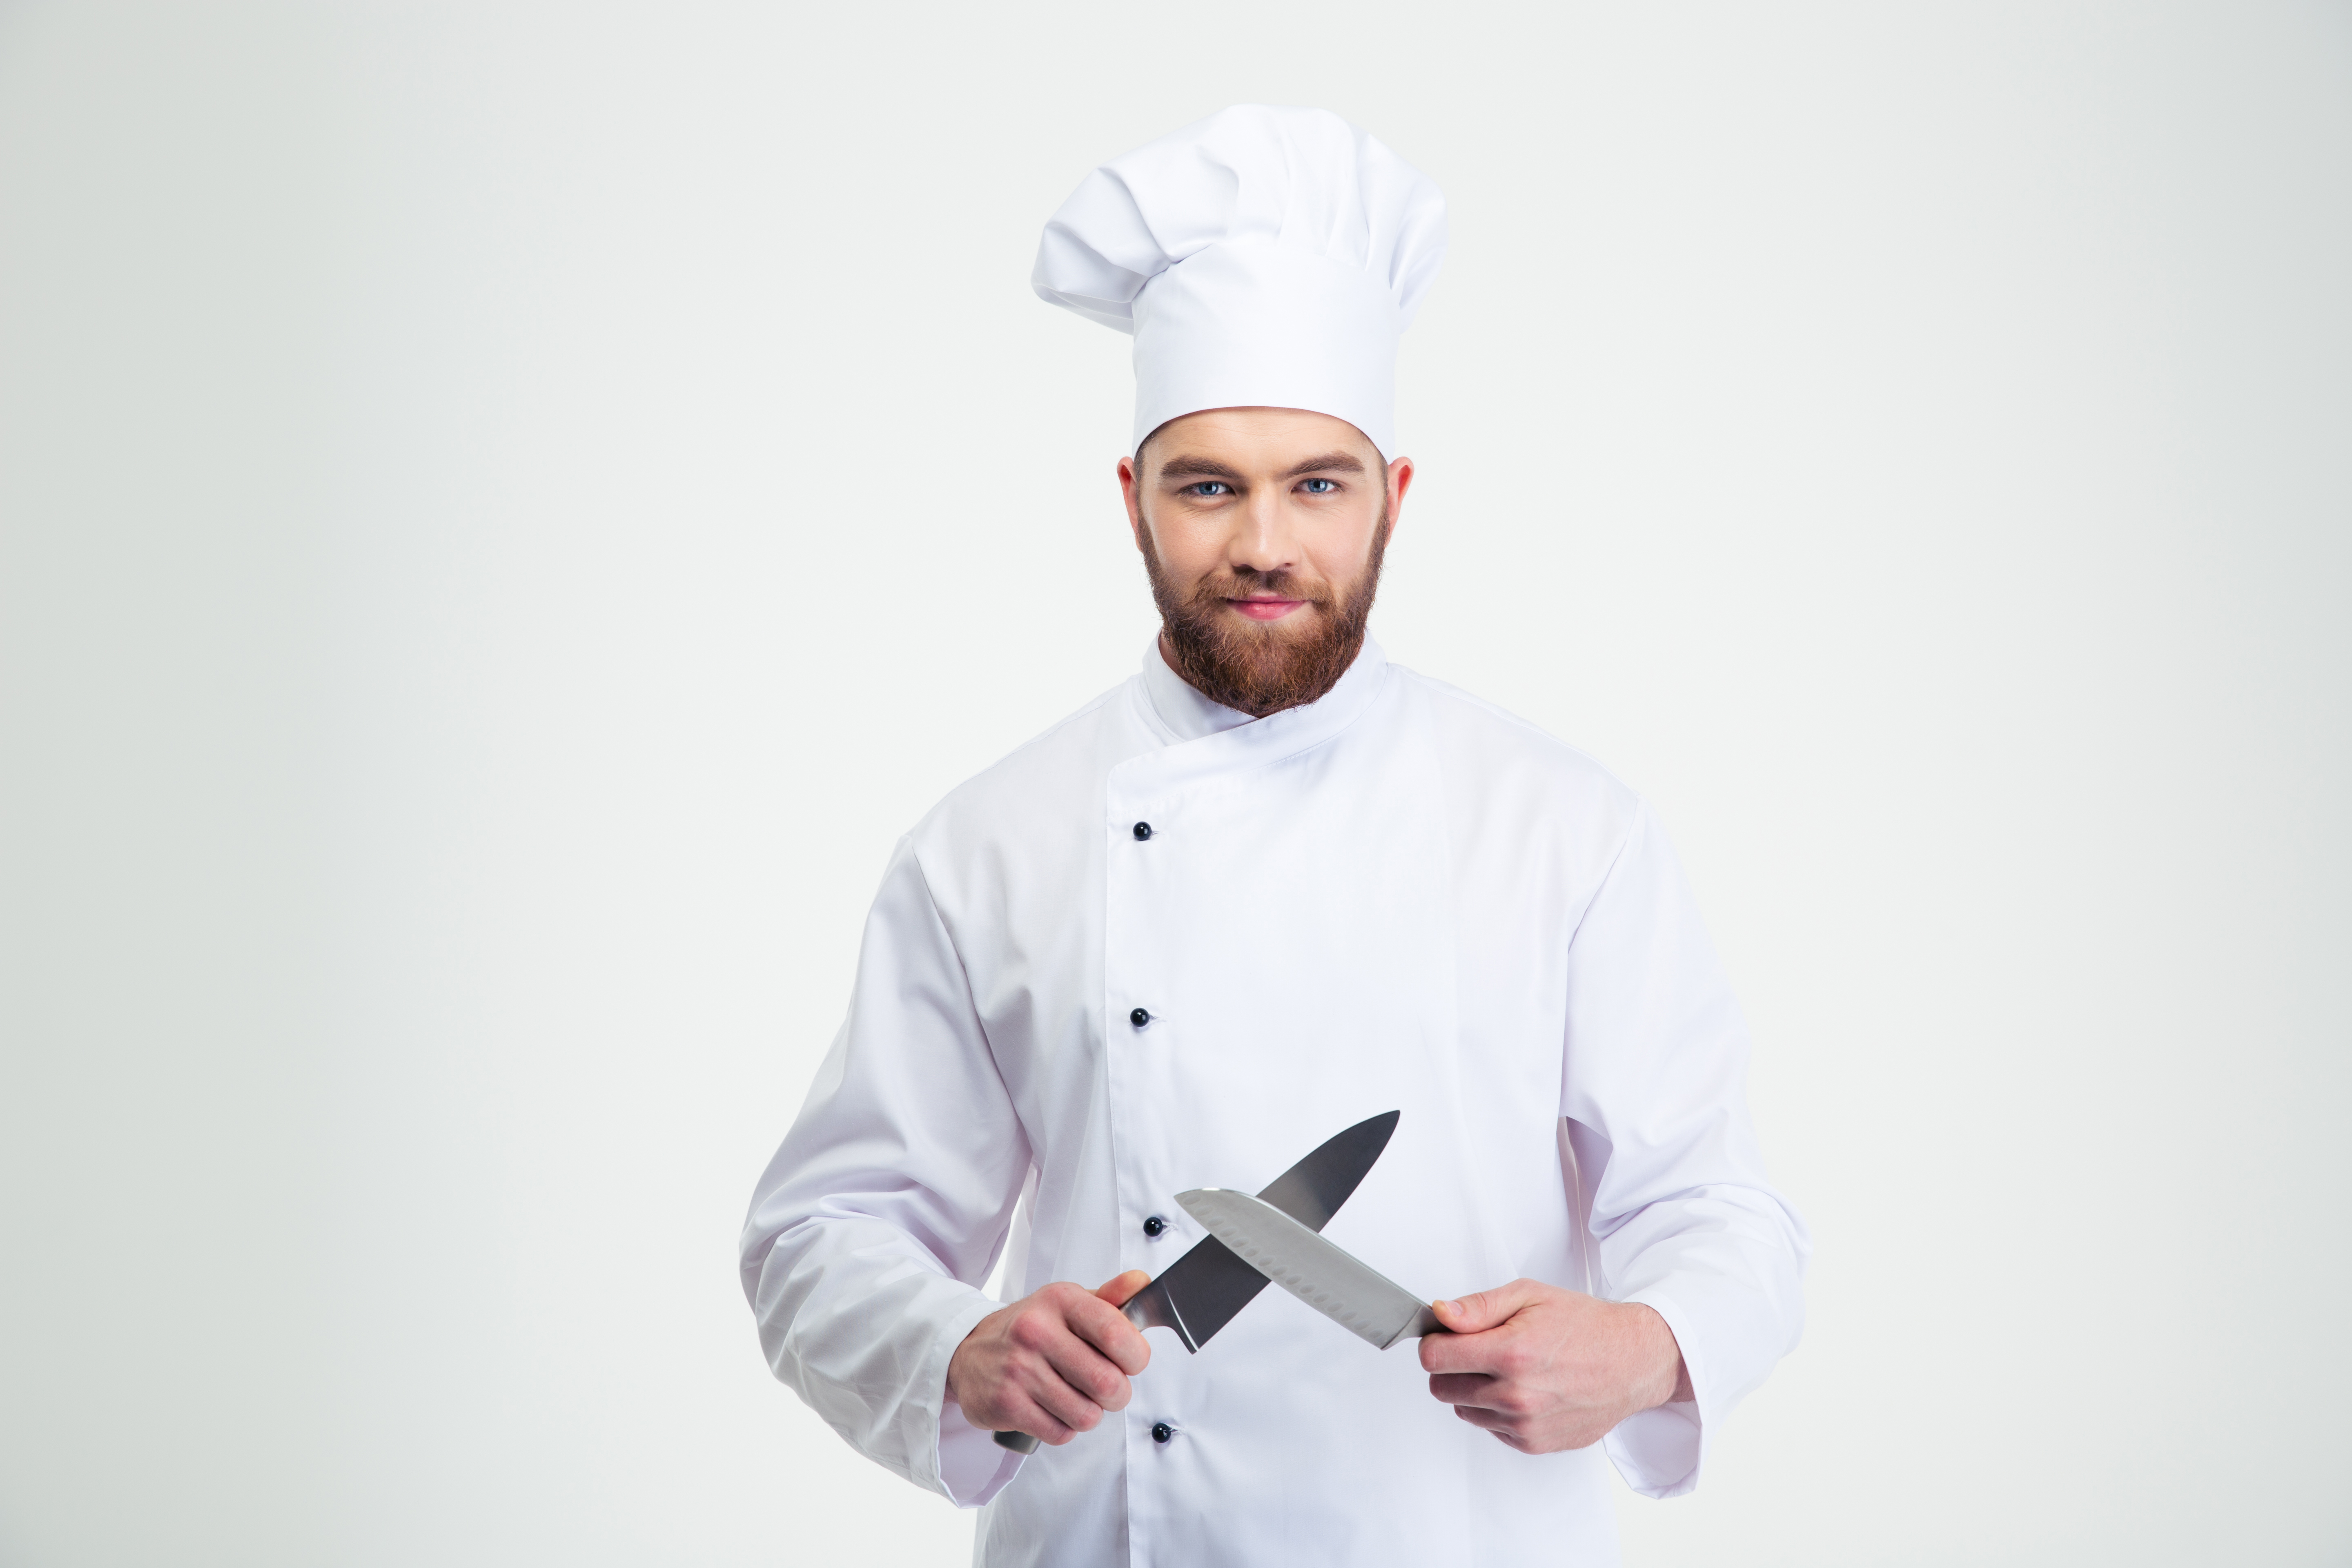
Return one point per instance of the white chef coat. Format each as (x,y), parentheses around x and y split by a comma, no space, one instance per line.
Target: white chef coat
(1396,897)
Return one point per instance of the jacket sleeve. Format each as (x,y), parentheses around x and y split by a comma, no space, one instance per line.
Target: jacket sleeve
(1654,1087)
(876,1224)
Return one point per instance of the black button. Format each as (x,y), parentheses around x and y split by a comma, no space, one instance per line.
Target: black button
(1153,1226)
(1143,831)
(1139,1017)
(1161,1432)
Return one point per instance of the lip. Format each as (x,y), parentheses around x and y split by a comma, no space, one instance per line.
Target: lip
(1265,609)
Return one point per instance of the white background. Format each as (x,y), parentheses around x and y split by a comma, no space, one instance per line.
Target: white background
(507,511)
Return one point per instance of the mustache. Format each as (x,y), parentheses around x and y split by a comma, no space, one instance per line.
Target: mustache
(1244,583)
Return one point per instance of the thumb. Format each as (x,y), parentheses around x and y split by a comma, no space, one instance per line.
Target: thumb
(1119,1291)
(1483,1310)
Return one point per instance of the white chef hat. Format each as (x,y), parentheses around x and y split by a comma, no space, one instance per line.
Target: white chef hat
(1261,258)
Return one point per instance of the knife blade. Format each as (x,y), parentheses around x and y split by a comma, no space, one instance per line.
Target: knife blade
(1322,1274)
(1200,1292)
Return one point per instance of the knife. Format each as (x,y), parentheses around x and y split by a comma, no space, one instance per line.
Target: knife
(1200,1292)
(1329,1278)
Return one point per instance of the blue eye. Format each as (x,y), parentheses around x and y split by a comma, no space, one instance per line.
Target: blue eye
(1321,487)
(1209,488)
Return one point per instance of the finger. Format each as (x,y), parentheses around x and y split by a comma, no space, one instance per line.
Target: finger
(1054,1380)
(1051,1428)
(1119,1292)
(1503,1435)
(1486,1419)
(1465,1388)
(1492,1352)
(1022,1413)
(1102,1325)
(1483,1310)
(1079,1362)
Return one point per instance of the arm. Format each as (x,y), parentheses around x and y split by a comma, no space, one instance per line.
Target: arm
(872,1230)
(1701,1261)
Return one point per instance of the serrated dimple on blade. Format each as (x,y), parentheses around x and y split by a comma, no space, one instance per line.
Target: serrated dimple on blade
(1325,1277)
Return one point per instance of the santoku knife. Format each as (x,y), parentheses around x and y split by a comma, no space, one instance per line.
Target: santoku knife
(1318,1272)
(1200,1292)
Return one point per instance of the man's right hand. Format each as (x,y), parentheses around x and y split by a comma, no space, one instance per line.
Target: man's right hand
(1053,1361)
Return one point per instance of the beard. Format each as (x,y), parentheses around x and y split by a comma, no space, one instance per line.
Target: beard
(1262,667)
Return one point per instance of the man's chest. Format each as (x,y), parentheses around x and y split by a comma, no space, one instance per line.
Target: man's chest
(1216,976)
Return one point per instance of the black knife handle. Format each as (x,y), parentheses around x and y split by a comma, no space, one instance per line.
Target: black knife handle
(1019,1442)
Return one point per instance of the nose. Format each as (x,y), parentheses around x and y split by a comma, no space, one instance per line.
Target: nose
(1263,540)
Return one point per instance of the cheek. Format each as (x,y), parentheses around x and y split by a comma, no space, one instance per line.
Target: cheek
(1336,546)
(1188,551)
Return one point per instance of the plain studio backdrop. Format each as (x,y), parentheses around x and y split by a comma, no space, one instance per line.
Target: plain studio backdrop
(508,511)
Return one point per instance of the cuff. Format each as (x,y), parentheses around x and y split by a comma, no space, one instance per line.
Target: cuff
(973,1469)
(1659,1451)
(954,1458)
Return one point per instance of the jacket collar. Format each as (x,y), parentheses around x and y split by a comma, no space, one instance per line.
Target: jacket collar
(1204,738)
(1176,709)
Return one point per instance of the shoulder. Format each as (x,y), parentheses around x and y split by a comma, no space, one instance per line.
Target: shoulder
(1498,744)
(1517,800)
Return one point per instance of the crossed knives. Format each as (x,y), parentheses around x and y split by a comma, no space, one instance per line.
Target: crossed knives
(1274,1237)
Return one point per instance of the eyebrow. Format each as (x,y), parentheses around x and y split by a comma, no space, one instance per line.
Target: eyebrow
(1329,463)
(1181,467)
(1191,468)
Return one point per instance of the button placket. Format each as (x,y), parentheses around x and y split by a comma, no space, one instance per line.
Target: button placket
(1137,915)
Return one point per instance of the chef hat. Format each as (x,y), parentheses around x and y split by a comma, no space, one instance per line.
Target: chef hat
(1261,258)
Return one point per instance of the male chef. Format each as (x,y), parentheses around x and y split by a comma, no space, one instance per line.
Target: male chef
(1266,888)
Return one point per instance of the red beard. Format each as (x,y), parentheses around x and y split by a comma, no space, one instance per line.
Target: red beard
(1262,668)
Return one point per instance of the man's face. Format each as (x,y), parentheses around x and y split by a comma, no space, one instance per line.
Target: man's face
(1262,529)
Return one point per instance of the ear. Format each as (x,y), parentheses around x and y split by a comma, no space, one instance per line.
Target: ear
(1400,481)
(1130,489)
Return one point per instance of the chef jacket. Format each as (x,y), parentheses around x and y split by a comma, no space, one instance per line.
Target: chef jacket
(1165,945)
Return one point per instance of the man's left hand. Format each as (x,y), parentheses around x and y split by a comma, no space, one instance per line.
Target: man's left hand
(1546,1369)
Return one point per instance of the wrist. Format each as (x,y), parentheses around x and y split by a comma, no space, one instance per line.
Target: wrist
(1665,1376)
(958,1361)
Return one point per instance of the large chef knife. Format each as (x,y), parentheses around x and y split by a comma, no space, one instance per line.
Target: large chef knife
(1200,1292)
(1318,1272)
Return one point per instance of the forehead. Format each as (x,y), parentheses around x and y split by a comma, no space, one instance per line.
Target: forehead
(1256,440)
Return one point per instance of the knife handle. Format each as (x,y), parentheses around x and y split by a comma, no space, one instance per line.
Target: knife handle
(1147,1309)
